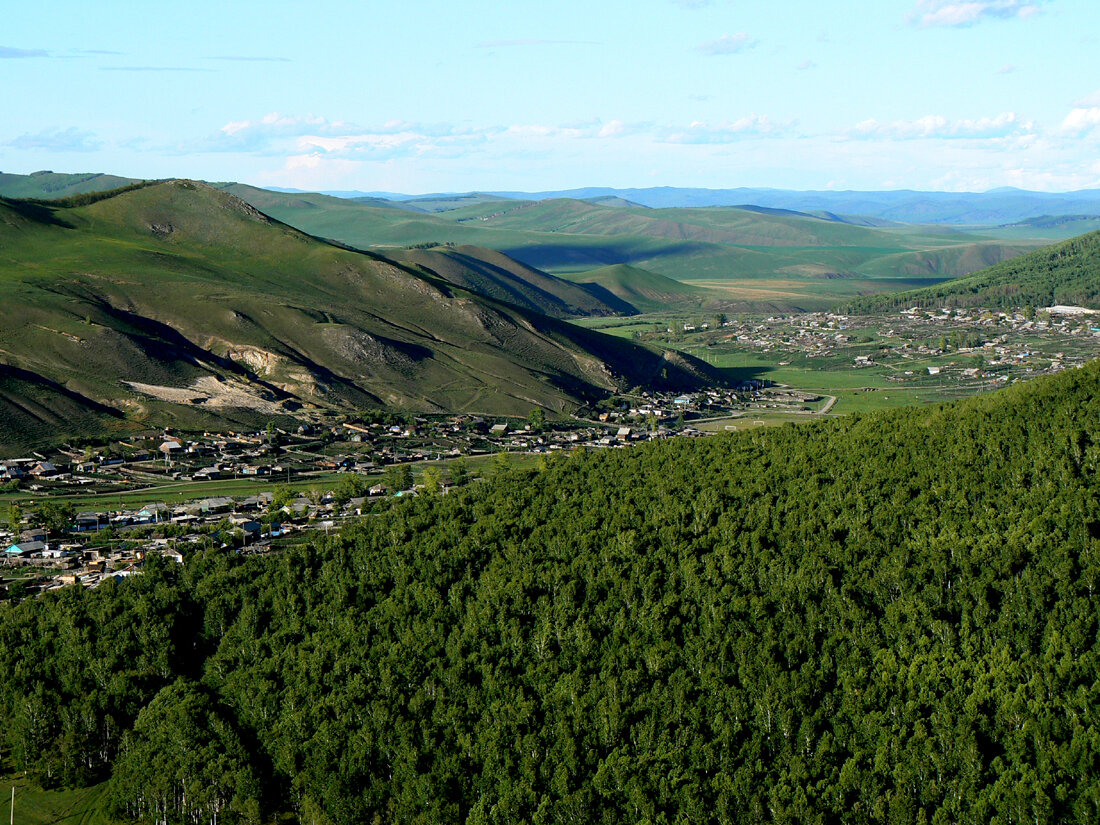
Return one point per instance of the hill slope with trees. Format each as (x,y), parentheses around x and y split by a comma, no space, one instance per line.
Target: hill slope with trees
(886,618)
(1065,273)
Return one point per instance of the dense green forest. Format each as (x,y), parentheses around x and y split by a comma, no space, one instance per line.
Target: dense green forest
(888,618)
(1061,274)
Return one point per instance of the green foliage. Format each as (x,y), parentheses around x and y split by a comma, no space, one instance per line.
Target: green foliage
(398,477)
(537,419)
(183,762)
(1064,273)
(432,481)
(350,486)
(88,198)
(885,618)
(281,496)
(459,471)
(56,517)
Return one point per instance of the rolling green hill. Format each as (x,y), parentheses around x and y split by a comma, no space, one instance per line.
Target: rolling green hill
(1065,273)
(57,185)
(178,303)
(766,256)
(647,291)
(492,273)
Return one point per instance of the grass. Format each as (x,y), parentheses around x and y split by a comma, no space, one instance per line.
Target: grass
(35,806)
(787,261)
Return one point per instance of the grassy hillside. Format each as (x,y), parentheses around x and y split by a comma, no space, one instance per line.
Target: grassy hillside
(49,185)
(645,290)
(178,303)
(1065,273)
(998,206)
(492,273)
(765,256)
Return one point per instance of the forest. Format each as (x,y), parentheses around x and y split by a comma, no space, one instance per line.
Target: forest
(1064,273)
(886,618)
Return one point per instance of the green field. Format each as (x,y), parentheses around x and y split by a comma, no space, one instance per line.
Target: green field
(35,806)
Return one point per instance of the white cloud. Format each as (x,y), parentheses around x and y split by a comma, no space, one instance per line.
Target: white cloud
(752,125)
(1007,68)
(58,140)
(727,44)
(1088,101)
(1081,120)
(939,127)
(269,133)
(929,13)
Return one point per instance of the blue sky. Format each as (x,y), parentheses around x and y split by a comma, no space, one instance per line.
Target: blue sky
(427,96)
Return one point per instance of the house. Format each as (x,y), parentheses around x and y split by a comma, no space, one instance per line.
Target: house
(43,469)
(87,521)
(220,504)
(498,429)
(8,472)
(252,530)
(25,548)
(157,511)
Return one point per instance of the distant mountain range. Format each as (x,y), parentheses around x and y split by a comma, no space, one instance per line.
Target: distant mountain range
(996,207)
(624,251)
(992,208)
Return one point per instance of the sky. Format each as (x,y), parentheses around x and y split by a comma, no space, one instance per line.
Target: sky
(423,96)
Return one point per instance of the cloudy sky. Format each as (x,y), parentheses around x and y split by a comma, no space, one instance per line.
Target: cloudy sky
(435,95)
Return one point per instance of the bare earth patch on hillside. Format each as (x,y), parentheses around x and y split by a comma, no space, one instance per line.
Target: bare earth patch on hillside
(208,391)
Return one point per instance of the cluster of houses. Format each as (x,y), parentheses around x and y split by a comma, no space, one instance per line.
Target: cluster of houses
(83,555)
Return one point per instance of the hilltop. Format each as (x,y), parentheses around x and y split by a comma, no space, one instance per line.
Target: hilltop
(46,184)
(180,304)
(1065,273)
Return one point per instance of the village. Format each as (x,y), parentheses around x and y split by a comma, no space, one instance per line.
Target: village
(72,518)
(1048,339)
(92,512)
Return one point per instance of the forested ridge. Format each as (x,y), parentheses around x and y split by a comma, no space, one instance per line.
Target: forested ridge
(886,618)
(1064,273)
